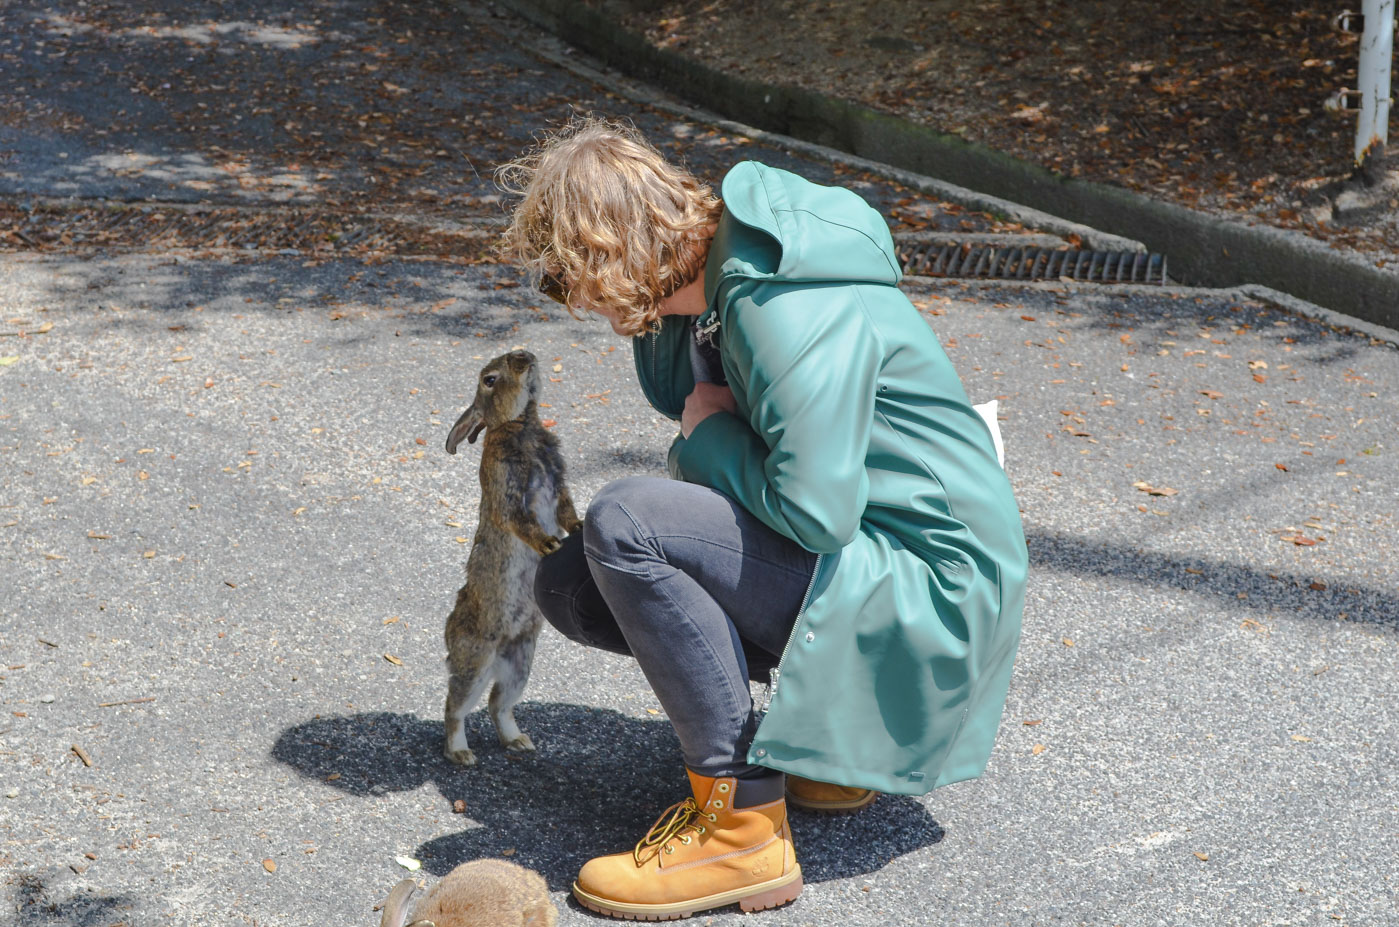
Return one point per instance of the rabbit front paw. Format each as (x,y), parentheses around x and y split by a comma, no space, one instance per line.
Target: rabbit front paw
(549,545)
(574,527)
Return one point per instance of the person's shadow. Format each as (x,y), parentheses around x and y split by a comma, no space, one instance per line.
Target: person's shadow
(597,782)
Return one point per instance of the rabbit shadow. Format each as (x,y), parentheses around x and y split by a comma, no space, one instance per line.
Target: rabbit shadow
(596,783)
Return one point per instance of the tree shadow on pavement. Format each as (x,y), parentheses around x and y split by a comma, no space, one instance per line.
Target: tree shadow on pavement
(597,782)
(34,904)
(1263,591)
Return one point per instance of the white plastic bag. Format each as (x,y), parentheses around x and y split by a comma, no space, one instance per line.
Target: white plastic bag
(987,411)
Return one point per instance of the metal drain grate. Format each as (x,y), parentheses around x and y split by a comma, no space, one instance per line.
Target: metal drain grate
(60,227)
(999,263)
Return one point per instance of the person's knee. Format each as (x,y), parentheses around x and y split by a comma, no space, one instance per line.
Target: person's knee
(612,533)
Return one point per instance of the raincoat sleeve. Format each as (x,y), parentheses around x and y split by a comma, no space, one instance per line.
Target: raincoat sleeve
(806,360)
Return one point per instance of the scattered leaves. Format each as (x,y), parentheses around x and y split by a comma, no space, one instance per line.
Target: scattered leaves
(270,865)
(393,659)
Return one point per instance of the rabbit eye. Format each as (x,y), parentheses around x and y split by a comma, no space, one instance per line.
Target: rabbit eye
(489,380)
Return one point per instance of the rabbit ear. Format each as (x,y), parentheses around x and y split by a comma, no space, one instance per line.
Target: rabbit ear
(396,908)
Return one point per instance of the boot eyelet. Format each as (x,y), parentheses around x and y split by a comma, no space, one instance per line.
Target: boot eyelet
(669,848)
(718,803)
(702,830)
(685,840)
(712,817)
(723,786)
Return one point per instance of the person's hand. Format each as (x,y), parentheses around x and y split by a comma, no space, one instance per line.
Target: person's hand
(707,399)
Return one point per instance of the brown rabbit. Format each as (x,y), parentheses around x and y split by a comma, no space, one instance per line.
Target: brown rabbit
(481,893)
(525,506)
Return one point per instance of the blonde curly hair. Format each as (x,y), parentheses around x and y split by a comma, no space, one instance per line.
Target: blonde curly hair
(608,217)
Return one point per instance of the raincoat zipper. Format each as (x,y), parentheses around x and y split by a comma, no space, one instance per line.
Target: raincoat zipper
(775,674)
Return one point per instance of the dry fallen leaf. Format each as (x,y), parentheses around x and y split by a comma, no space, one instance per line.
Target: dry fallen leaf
(408,862)
(1211,394)
(393,659)
(1033,723)
(1282,467)
(1317,587)
(1067,642)
(1303,738)
(332,777)
(269,865)
(1202,857)
(1300,540)
(1154,491)
(1037,749)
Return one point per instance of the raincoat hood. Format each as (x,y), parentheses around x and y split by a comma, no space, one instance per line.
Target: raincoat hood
(779,226)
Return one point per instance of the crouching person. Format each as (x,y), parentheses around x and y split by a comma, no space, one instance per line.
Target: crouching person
(835,521)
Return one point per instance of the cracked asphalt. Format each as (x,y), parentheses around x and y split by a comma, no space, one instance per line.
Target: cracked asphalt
(229,532)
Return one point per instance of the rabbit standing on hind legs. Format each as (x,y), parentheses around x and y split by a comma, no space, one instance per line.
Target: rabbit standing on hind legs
(525,506)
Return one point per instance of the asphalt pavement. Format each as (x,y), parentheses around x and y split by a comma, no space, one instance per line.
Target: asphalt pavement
(230,534)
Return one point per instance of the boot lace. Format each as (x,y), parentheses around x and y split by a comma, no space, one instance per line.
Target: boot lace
(673,822)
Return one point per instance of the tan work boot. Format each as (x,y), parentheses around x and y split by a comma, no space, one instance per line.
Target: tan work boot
(701,853)
(825,798)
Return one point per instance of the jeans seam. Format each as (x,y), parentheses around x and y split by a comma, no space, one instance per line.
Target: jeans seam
(715,658)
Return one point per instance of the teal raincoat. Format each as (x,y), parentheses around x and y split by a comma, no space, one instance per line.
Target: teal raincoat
(854,437)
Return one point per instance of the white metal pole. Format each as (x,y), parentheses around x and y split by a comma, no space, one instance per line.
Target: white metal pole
(1376,57)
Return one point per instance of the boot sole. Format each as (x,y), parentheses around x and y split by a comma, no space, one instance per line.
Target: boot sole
(849,806)
(750,898)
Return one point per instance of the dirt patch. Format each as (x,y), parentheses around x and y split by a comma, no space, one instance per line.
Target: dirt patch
(1218,107)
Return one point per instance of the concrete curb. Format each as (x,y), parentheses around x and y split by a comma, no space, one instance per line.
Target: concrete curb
(1203,249)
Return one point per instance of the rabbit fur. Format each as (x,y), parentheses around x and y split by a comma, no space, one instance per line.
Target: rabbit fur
(480,893)
(525,507)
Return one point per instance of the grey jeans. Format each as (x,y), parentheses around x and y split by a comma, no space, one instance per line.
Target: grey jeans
(702,593)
